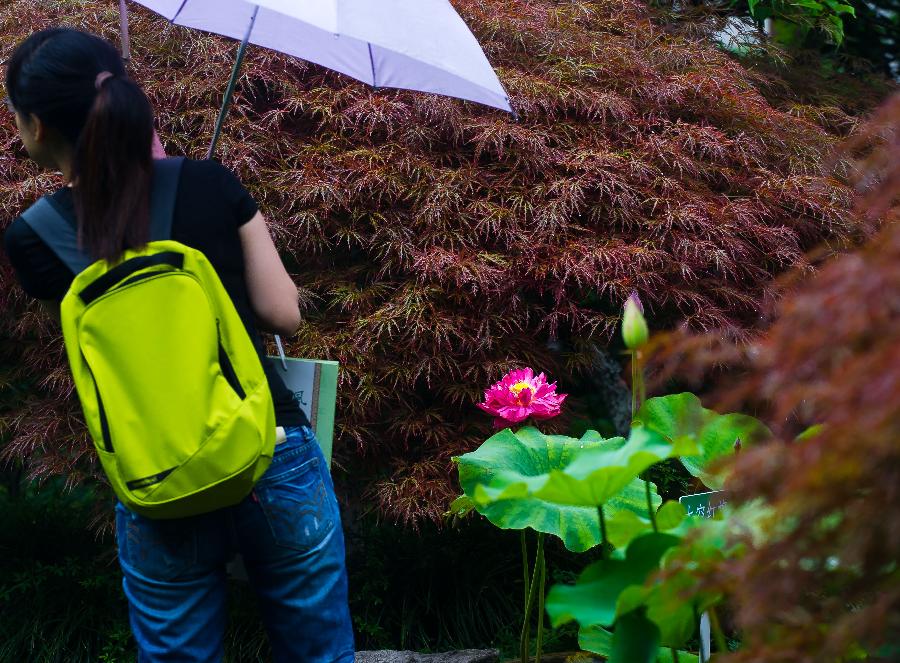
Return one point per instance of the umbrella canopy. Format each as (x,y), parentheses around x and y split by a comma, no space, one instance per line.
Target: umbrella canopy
(411,44)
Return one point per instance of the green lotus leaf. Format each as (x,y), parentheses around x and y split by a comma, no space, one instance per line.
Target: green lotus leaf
(577,526)
(624,524)
(670,516)
(635,640)
(665,656)
(592,600)
(673,615)
(681,418)
(598,640)
(631,599)
(460,507)
(673,604)
(632,499)
(676,416)
(595,475)
(717,439)
(595,639)
(500,474)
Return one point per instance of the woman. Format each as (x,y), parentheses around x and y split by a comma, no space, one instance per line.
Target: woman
(78,113)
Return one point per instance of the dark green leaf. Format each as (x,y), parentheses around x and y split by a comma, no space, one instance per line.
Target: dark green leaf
(594,597)
(670,516)
(625,524)
(635,640)
(682,417)
(462,506)
(595,639)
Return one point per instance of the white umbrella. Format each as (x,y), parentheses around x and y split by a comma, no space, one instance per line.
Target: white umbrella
(411,44)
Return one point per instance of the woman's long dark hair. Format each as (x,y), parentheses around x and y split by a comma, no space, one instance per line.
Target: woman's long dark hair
(108,120)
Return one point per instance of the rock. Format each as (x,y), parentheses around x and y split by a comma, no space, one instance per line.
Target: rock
(461,656)
(606,379)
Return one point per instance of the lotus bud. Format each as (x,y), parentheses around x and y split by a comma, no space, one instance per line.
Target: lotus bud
(634,327)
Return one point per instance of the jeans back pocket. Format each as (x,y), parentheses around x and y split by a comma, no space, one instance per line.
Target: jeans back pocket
(162,550)
(298,505)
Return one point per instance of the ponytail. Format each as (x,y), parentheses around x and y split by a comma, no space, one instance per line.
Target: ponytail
(113,170)
(77,85)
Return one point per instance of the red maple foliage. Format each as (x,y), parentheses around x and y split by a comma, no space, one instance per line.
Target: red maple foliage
(436,244)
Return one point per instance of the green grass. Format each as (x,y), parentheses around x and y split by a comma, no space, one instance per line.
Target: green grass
(438,589)
(60,587)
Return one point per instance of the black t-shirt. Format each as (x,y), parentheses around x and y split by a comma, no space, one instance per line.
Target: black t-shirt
(210,207)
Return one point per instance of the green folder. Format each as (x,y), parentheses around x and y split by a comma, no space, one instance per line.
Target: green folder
(314,383)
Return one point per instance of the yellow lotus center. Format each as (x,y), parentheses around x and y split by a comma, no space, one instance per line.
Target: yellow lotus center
(519,386)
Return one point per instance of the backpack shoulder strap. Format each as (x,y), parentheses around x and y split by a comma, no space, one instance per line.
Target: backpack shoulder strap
(61,233)
(57,232)
(166,175)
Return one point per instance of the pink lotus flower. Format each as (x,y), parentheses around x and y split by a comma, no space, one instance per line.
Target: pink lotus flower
(520,395)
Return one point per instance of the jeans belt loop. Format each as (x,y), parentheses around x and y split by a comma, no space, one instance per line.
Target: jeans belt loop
(280,435)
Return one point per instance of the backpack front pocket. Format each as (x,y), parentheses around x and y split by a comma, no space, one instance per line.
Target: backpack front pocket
(153,351)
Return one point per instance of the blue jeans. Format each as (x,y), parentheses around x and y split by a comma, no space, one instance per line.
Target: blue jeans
(288,531)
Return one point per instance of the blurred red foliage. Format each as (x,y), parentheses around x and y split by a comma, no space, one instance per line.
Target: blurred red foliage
(827,580)
(437,244)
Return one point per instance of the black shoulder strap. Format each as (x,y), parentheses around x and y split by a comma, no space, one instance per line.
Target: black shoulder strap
(61,234)
(166,174)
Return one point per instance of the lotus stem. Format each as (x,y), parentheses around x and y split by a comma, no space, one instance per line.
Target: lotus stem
(603,539)
(674,654)
(642,385)
(638,395)
(525,567)
(634,383)
(541,596)
(525,640)
(638,388)
(650,509)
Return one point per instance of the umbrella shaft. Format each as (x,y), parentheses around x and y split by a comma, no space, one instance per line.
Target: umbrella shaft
(229,92)
(123,30)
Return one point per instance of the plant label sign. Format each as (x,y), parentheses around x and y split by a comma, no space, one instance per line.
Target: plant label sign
(704,505)
(314,383)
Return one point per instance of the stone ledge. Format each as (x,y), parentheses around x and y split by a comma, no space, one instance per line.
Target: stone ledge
(461,656)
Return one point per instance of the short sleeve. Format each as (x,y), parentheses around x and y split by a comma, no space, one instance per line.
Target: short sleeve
(38,269)
(239,199)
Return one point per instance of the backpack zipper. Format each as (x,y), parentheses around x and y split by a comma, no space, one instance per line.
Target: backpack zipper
(227,369)
(104,424)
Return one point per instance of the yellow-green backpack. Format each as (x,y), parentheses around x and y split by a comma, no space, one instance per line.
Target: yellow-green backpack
(172,388)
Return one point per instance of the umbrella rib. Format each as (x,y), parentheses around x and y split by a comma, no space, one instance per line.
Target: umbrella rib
(372,64)
(183,3)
